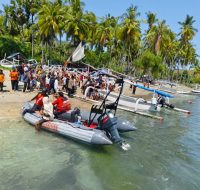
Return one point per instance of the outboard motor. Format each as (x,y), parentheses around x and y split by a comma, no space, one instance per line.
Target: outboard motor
(162,102)
(107,122)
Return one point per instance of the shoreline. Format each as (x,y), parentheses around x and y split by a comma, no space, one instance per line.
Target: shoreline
(11,101)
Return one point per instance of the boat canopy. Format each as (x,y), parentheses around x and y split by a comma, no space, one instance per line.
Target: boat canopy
(155,91)
(151,89)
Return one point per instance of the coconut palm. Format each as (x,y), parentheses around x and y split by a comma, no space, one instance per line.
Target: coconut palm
(104,32)
(91,20)
(187,32)
(130,33)
(155,37)
(49,17)
(76,27)
(151,20)
(10,21)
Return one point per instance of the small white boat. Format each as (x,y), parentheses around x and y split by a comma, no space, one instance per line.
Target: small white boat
(196,91)
(127,101)
(7,64)
(141,104)
(133,103)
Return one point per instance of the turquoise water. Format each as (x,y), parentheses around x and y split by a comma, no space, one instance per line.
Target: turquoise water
(163,156)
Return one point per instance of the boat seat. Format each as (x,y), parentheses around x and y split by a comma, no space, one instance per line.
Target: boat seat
(96,109)
(68,116)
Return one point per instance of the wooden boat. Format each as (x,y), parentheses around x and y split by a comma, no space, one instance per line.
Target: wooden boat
(133,103)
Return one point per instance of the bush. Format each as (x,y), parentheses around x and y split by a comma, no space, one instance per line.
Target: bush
(150,63)
(9,45)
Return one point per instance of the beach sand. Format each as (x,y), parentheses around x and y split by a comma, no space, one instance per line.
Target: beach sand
(11,102)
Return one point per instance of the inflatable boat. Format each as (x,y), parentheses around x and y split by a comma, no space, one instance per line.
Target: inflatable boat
(122,125)
(100,126)
(73,130)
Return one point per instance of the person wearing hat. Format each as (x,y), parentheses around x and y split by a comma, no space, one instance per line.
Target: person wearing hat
(61,104)
(38,105)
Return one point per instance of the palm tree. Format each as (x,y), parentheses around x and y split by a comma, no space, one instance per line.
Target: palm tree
(76,27)
(187,32)
(151,20)
(130,33)
(186,52)
(10,22)
(155,37)
(49,17)
(91,20)
(104,32)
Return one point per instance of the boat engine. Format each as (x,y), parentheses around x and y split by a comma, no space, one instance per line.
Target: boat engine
(107,122)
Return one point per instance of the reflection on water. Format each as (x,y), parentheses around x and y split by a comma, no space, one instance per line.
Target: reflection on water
(162,156)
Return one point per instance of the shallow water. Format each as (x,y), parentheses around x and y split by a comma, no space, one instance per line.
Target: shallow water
(163,156)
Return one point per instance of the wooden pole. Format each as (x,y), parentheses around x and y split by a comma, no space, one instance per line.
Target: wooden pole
(141,113)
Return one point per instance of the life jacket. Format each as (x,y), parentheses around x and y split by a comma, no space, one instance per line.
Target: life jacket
(62,104)
(2,78)
(38,100)
(14,75)
(66,106)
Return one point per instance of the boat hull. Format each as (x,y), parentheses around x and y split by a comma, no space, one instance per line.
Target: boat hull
(131,102)
(122,124)
(71,130)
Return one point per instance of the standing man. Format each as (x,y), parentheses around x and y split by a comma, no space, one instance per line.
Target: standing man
(2,79)
(14,78)
(26,79)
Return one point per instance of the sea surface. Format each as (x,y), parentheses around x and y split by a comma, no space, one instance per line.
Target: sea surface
(163,156)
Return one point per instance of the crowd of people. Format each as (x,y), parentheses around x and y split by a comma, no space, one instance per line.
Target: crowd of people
(54,80)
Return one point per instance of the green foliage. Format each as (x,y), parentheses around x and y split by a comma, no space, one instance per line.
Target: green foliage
(92,58)
(195,80)
(9,45)
(4,68)
(99,59)
(150,64)
(110,38)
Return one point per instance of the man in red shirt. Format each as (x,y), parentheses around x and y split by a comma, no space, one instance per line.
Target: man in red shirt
(61,104)
(38,105)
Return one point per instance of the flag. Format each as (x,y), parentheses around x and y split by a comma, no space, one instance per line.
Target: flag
(78,53)
(77,48)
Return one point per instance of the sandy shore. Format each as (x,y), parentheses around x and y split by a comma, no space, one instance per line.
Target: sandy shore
(11,102)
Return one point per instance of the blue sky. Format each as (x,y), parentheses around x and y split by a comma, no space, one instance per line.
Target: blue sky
(172,11)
